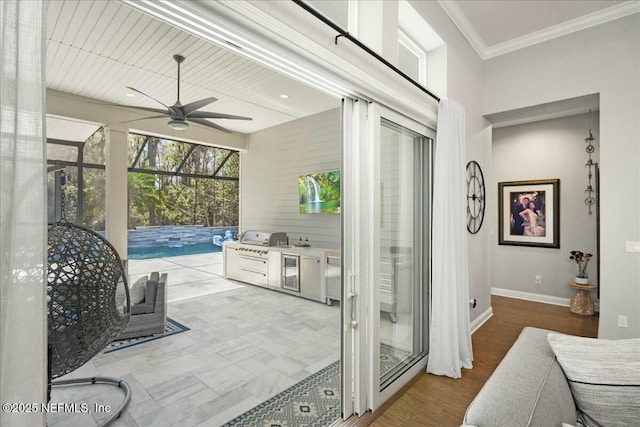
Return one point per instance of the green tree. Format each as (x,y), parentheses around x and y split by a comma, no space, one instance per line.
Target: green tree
(143,194)
(179,199)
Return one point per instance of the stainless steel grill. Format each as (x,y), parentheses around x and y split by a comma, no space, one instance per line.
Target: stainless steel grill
(264,238)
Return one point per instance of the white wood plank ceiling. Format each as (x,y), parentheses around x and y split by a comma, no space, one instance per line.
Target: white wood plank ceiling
(97,48)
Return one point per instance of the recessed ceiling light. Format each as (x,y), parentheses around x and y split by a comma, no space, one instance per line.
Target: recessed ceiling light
(284,96)
(131,95)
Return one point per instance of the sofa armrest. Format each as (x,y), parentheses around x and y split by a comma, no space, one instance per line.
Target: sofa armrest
(150,293)
(528,388)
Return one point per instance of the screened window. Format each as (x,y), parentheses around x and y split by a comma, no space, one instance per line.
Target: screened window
(170,182)
(75,181)
(179,183)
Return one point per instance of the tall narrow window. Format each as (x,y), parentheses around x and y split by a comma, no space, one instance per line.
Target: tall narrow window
(411,58)
(421,51)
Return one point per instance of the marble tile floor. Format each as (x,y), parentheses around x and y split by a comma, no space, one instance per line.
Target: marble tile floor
(190,276)
(246,344)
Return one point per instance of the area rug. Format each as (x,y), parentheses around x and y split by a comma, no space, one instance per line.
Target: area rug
(171,327)
(313,402)
(391,357)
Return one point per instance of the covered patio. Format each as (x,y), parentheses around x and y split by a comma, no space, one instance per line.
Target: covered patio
(245,345)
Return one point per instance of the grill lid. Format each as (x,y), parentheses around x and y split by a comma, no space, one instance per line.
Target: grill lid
(264,238)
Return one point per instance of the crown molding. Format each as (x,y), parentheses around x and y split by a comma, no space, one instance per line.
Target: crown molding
(464,25)
(591,20)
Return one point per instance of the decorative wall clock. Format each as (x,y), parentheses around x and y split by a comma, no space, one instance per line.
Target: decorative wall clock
(475,197)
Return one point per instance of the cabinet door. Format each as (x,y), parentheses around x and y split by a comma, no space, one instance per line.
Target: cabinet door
(231,259)
(333,277)
(275,269)
(310,271)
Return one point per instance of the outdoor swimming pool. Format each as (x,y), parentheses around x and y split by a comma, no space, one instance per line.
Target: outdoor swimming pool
(168,251)
(174,240)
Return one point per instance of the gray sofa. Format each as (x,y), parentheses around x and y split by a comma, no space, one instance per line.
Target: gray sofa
(148,316)
(528,388)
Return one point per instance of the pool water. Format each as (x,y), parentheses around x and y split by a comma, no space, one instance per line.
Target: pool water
(169,251)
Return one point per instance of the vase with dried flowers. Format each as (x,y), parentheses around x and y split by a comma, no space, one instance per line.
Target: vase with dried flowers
(582,259)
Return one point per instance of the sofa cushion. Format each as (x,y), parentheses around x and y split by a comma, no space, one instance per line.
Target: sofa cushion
(138,289)
(527,388)
(142,308)
(604,376)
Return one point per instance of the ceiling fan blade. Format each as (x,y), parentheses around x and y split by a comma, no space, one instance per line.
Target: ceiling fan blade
(208,115)
(152,110)
(148,96)
(159,116)
(196,105)
(208,124)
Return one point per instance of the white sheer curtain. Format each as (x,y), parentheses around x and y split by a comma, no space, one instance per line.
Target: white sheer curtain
(23,334)
(450,335)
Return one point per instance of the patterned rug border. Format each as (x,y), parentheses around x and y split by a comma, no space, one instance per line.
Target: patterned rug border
(326,418)
(169,322)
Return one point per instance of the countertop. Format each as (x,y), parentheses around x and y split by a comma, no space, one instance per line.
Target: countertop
(296,250)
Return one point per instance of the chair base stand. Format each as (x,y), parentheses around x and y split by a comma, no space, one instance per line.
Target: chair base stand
(114,412)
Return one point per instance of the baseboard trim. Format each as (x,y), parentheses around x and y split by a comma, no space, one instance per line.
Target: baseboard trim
(479,321)
(529,296)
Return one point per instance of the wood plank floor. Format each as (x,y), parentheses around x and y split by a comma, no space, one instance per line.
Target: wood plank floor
(439,401)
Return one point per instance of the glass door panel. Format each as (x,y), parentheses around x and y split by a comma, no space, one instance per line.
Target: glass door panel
(400,259)
(400,250)
(400,282)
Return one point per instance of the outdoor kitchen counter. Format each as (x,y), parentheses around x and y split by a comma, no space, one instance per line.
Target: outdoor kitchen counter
(301,250)
(267,268)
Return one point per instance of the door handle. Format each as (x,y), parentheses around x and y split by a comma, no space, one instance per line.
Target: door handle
(351,294)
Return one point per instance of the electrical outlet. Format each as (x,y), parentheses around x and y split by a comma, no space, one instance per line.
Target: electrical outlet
(538,280)
(623,321)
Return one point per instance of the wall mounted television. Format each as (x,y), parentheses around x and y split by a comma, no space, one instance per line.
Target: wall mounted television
(319,192)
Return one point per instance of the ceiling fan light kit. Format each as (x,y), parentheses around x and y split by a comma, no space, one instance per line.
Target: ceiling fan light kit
(178,124)
(180,115)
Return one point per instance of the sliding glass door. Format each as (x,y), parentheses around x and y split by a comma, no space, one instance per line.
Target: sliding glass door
(387,166)
(399,297)
(400,290)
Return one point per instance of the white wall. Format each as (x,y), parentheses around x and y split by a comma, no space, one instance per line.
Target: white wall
(269,172)
(546,150)
(464,85)
(605,60)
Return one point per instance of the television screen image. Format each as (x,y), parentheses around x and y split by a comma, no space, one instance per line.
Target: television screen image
(319,192)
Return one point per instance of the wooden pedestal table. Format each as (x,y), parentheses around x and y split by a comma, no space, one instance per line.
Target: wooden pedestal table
(582,303)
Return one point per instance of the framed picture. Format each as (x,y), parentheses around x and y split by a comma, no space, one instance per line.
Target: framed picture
(529,213)
(320,192)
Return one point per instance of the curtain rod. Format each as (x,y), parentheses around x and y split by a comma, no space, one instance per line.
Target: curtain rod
(346,35)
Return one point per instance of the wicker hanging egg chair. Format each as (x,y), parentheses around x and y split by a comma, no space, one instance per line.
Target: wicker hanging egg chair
(88,303)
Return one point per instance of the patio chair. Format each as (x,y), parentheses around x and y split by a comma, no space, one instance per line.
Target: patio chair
(149,315)
(83,273)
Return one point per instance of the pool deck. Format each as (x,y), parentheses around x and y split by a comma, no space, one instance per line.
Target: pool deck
(190,276)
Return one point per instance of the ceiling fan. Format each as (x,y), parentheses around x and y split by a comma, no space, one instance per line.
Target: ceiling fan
(180,115)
